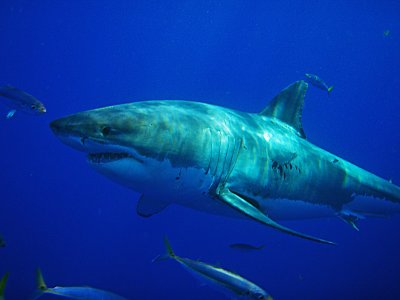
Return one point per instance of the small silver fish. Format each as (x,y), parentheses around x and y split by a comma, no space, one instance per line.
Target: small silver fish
(246,247)
(218,277)
(318,82)
(3,282)
(20,100)
(73,292)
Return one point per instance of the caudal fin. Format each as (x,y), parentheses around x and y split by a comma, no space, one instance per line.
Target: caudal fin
(330,89)
(41,286)
(169,253)
(3,282)
(168,247)
(40,283)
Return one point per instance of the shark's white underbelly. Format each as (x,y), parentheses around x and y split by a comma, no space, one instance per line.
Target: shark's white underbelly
(291,209)
(369,205)
(277,209)
(190,187)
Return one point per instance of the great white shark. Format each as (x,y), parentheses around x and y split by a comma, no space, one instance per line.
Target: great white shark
(253,165)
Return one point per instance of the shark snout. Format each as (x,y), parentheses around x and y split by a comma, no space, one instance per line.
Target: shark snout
(74,125)
(101,130)
(83,132)
(72,131)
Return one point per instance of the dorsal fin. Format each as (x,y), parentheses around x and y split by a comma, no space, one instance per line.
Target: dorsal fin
(287,106)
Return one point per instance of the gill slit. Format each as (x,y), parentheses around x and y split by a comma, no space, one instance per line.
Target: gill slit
(230,148)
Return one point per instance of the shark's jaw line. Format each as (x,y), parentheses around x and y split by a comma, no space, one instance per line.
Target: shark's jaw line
(107,157)
(99,151)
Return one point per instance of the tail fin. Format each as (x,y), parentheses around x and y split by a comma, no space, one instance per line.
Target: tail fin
(3,282)
(40,284)
(170,252)
(330,89)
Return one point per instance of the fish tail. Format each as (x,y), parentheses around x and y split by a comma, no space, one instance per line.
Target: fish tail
(330,89)
(40,283)
(41,286)
(3,282)
(170,252)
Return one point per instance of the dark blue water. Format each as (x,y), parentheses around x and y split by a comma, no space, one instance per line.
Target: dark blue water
(82,229)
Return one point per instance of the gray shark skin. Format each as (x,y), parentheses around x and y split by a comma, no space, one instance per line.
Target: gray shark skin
(227,162)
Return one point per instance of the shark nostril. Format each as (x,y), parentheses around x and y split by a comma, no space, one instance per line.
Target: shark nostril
(106,130)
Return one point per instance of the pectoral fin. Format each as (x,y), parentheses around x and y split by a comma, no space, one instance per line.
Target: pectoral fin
(11,113)
(150,205)
(251,211)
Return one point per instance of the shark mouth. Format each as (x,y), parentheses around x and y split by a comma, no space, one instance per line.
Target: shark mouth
(107,157)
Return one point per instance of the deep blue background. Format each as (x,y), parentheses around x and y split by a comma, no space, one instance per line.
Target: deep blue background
(82,229)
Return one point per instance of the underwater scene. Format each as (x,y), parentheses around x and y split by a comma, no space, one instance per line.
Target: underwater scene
(199,150)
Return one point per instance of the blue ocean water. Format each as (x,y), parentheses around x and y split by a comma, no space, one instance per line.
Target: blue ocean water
(82,229)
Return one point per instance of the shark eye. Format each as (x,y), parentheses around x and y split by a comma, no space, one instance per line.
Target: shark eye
(106,130)
(33,106)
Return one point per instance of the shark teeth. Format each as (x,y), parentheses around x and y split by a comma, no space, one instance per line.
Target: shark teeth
(98,158)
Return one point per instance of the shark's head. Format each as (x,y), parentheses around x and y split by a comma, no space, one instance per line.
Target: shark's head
(122,141)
